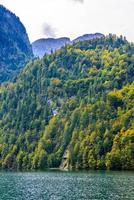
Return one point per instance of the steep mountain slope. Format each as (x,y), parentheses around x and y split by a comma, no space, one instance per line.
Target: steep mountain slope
(15,48)
(76,104)
(43,46)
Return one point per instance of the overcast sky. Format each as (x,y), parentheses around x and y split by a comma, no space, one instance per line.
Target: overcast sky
(71,18)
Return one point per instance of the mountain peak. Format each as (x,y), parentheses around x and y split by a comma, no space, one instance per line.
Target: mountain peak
(88,37)
(47,45)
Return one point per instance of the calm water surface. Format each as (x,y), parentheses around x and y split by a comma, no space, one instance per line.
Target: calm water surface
(67,185)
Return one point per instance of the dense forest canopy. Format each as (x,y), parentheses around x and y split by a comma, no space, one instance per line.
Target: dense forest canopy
(78,102)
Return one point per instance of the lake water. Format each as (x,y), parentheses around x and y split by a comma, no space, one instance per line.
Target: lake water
(92,185)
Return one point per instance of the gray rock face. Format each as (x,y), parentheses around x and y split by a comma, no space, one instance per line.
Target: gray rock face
(46,46)
(15,48)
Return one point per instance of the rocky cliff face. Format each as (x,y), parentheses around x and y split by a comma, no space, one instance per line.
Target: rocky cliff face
(15,48)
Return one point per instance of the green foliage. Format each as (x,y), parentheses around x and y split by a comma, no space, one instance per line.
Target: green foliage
(77,100)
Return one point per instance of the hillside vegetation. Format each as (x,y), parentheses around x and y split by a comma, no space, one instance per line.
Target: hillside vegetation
(79,100)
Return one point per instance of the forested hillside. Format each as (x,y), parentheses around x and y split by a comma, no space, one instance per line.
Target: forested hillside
(77,101)
(15,48)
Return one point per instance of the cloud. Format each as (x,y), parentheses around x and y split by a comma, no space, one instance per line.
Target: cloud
(79,1)
(131,2)
(49,30)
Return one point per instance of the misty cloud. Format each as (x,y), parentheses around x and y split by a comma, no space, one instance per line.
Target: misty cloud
(49,30)
(79,1)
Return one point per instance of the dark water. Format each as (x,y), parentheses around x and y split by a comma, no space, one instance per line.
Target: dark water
(67,185)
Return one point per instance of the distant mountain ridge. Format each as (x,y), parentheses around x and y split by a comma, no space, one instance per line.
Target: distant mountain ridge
(42,46)
(88,37)
(46,46)
(15,48)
